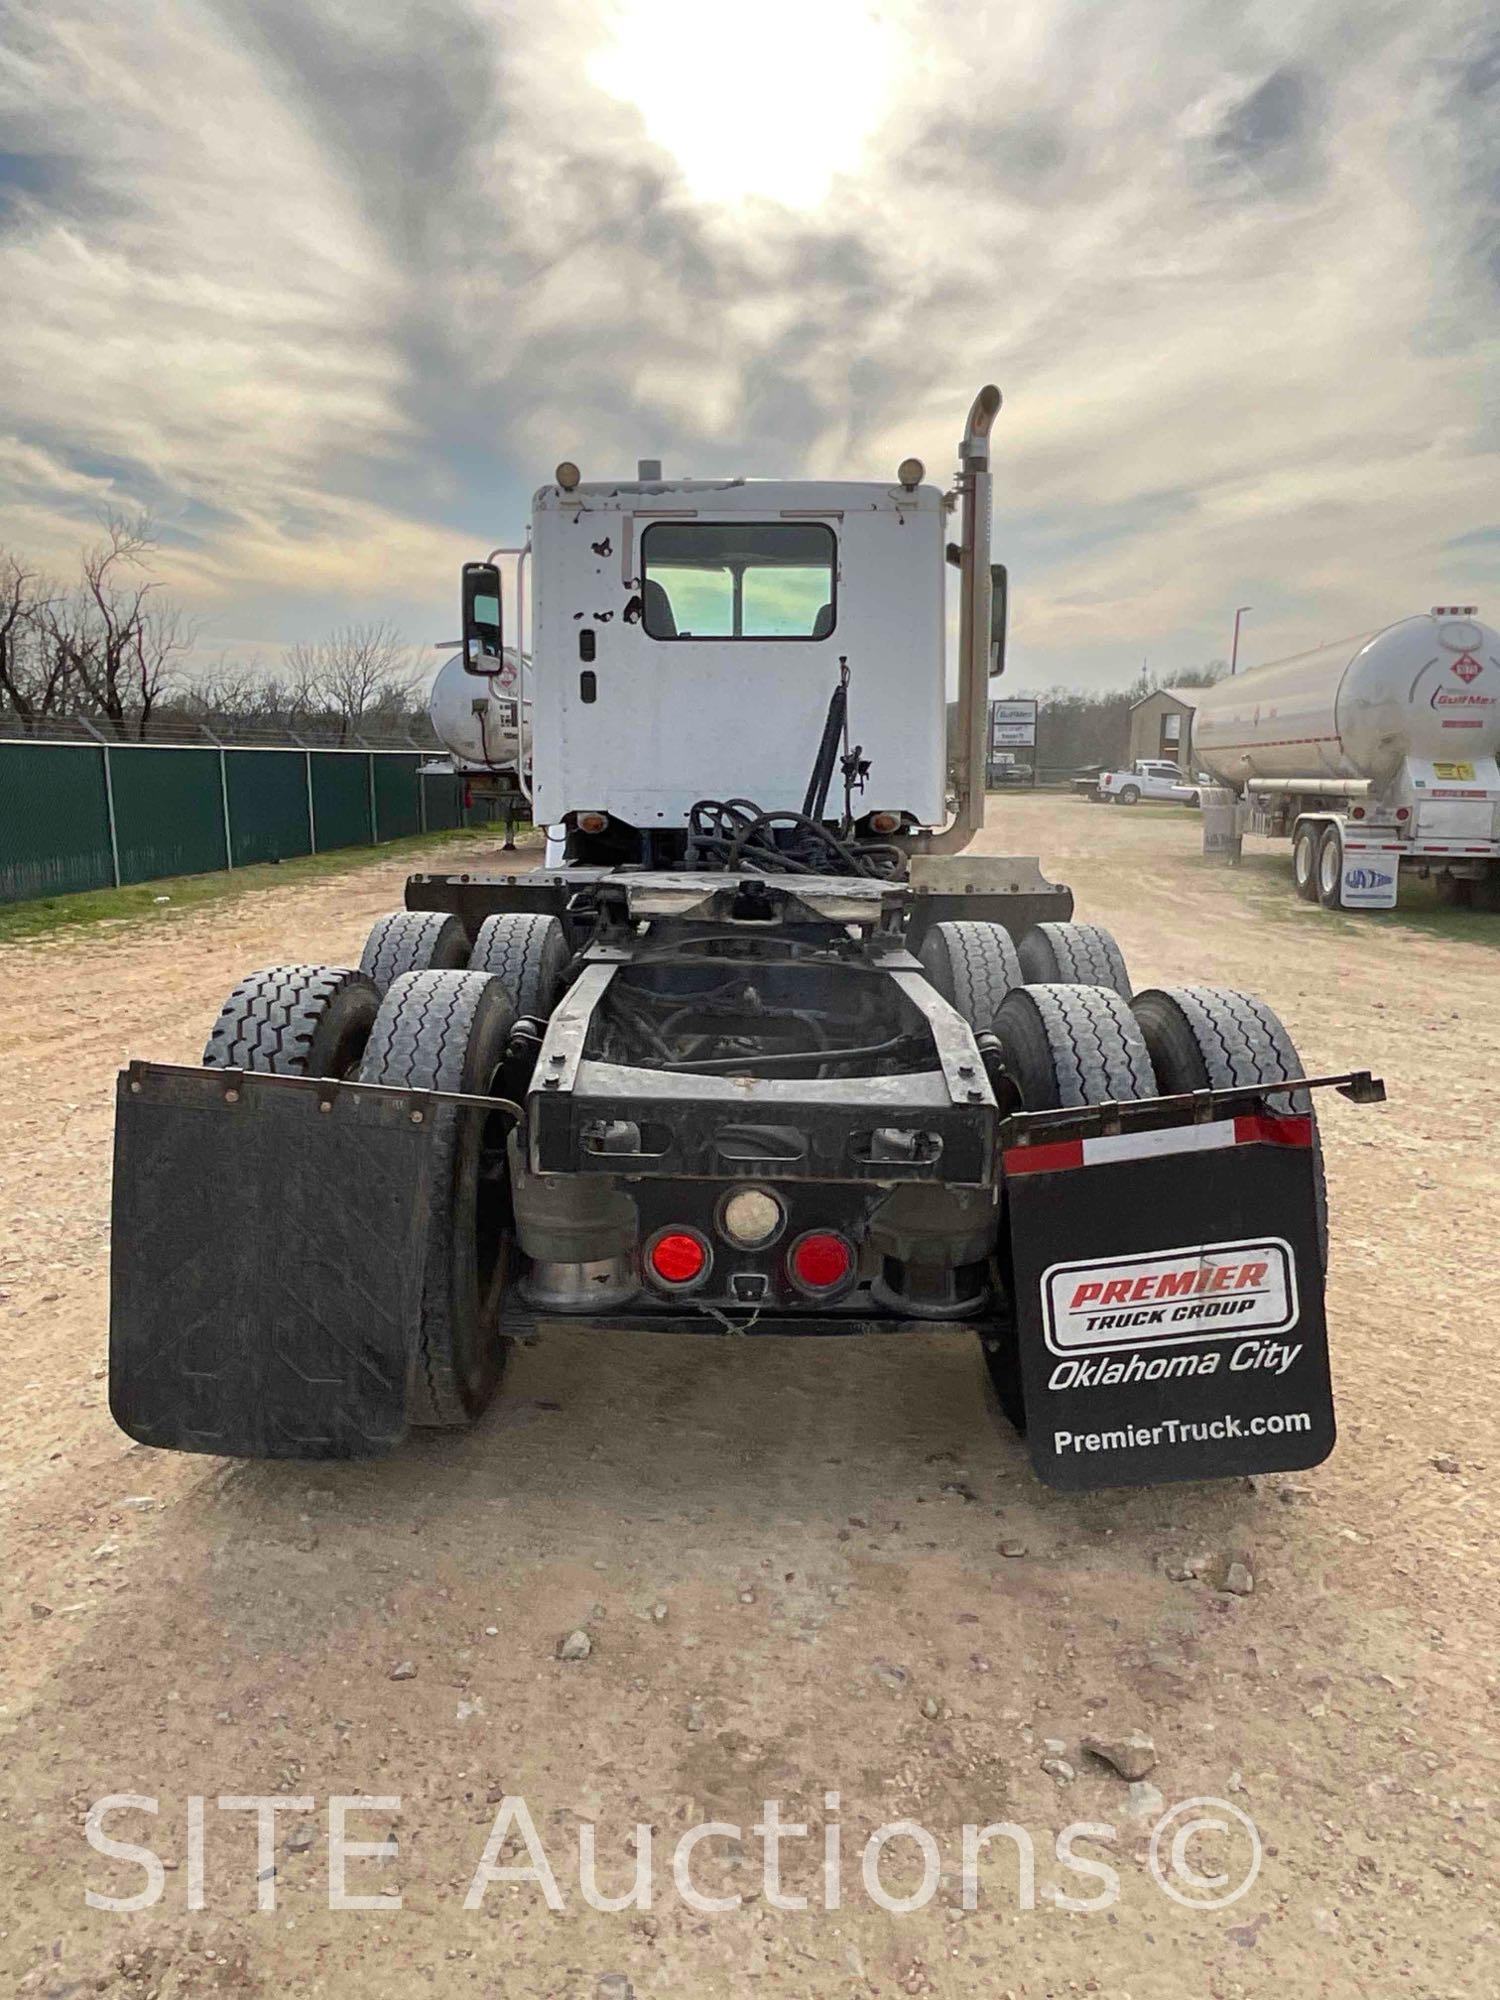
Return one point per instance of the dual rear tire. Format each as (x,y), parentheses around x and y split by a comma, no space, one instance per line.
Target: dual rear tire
(528,954)
(448,1030)
(434,1029)
(1318,863)
(976,966)
(1072,1046)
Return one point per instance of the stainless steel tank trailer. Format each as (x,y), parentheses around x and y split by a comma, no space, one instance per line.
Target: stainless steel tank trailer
(1374,756)
(771,1051)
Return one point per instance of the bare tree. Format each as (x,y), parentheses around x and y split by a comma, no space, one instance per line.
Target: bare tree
(32,680)
(357,672)
(113,640)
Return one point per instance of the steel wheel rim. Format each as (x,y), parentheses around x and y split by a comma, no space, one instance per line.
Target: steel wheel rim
(1328,866)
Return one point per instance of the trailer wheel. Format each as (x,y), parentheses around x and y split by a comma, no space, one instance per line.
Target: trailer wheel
(1305,863)
(528,955)
(1215,1038)
(414,941)
(295,1020)
(974,966)
(1072,1045)
(1331,868)
(1128,795)
(1073,955)
(447,1030)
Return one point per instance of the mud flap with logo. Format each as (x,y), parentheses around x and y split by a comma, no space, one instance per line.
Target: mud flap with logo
(265,1263)
(1371,876)
(1169,1303)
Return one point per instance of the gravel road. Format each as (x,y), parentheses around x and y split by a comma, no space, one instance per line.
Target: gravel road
(803,1570)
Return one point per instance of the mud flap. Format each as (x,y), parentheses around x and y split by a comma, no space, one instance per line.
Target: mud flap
(1169,1303)
(265,1263)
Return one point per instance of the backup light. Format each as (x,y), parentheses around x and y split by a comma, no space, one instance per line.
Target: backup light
(820,1262)
(677,1257)
(750,1217)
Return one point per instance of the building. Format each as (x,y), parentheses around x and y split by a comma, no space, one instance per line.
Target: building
(1161,725)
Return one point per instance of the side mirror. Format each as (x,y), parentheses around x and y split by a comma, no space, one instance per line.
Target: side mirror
(483,651)
(999,605)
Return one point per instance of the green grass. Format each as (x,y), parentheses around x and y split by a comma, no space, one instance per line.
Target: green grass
(48,915)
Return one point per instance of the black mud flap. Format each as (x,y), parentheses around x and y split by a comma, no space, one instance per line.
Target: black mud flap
(265,1263)
(1169,1303)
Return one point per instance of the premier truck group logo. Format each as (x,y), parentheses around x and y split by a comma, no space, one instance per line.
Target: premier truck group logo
(1170,1297)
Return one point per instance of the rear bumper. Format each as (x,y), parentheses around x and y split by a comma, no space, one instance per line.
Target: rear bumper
(1161,1262)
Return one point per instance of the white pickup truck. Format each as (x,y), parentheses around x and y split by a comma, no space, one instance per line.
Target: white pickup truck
(1147,778)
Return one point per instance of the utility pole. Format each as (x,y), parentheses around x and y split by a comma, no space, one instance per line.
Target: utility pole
(1234,651)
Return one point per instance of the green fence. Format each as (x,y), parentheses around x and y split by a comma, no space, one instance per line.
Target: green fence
(95,816)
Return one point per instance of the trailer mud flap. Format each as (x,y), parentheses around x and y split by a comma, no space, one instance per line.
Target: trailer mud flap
(265,1264)
(1169,1303)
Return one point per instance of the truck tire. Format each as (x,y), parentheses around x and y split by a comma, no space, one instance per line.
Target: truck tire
(1216,1038)
(1063,1046)
(1072,1045)
(295,1020)
(974,966)
(1073,955)
(1331,868)
(1128,795)
(1305,862)
(528,955)
(447,1030)
(414,941)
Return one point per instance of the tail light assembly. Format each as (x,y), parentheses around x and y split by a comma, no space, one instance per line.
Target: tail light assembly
(678,1260)
(820,1263)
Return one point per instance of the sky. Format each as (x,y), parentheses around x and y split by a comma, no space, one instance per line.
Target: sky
(330,286)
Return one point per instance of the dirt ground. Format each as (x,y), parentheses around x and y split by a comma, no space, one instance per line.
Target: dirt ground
(804,1569)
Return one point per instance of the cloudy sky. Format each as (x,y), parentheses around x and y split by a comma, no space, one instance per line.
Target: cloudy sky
(331,285)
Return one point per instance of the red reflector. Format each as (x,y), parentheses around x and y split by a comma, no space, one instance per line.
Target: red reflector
(677,1258)
(821,1261)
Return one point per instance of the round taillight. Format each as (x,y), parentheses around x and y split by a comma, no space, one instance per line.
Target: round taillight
(1403,812)
(677,1257)
(820,1261)
(750,1218)
(1357,813)
(885,822)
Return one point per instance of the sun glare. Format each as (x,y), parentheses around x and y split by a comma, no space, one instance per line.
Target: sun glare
(772,99)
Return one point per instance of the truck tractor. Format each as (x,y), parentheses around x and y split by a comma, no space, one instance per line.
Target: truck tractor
(770,1050)
(1375,757)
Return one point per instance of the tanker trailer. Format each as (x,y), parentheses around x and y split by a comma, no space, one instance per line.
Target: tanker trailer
(1371,755)
(481,722)
(478,719)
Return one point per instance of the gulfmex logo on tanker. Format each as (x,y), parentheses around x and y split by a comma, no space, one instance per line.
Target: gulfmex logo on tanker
(1168,1298)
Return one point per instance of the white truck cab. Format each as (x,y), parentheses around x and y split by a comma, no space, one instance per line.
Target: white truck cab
(713,650)
(688,636)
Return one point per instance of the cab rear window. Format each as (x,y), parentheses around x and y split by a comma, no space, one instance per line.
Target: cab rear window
(739,580)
